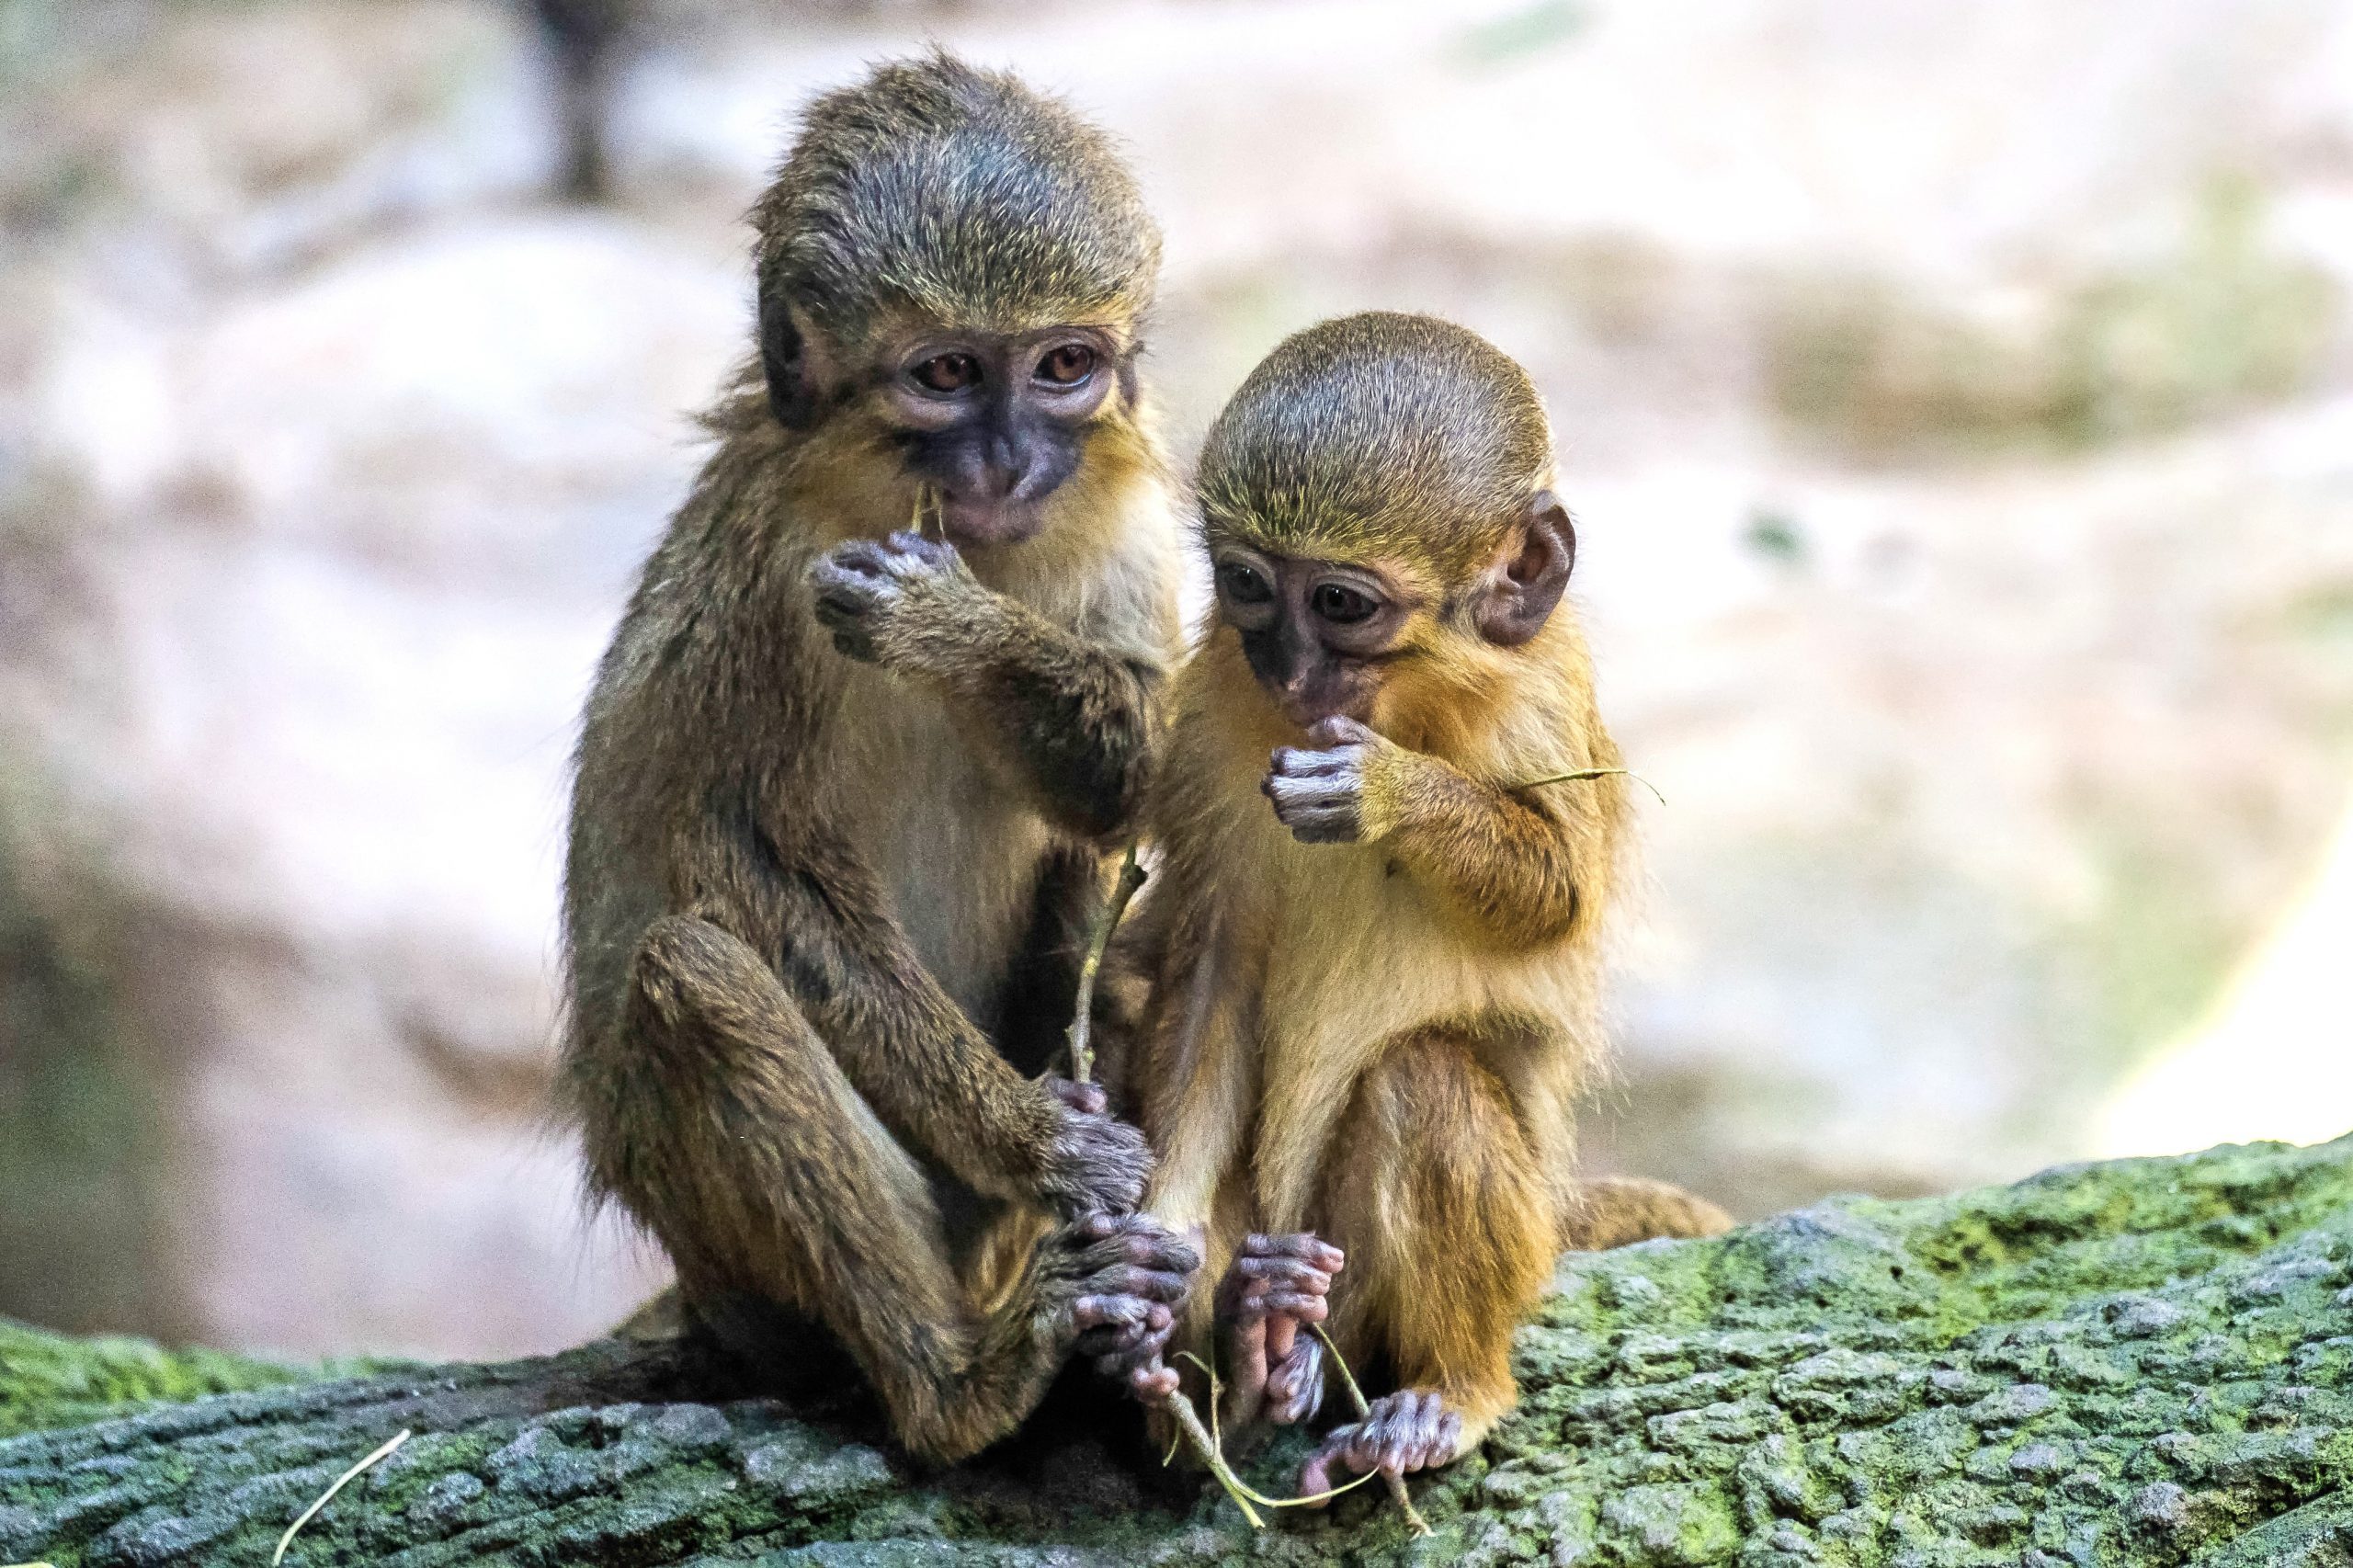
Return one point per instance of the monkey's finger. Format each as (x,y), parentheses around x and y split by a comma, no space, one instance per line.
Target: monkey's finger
(1326,827)
(1086,1098)
(1316,1475)
(1153,1383)
(859,557)
(1298,1306)
(1284,1273)
(1161,1254)
(1151,1284)
(936,553)
(1340,730)
(1306,1244)
(1448,1443)
(1295,1384)
(1144,1240)
(1289,762)
(1321,793)
(1126,1342)
(1111,1308)
(1113,1338)
(843,600)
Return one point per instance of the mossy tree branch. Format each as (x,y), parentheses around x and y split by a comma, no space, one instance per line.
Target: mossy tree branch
(2143,1362)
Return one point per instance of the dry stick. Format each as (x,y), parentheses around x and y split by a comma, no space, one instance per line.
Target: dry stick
(1188,1421)
(341,1481)
(1592,773)
(930,518)
(1082,1023)
(1364,1410)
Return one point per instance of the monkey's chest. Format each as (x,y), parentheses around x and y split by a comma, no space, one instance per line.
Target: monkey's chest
(954,842)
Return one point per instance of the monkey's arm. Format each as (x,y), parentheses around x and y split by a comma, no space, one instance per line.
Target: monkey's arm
(911,1052)
(1512,861)
(1078,716)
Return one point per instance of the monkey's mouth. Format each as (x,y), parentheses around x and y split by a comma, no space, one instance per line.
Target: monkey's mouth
(1001,521)
(1334,699)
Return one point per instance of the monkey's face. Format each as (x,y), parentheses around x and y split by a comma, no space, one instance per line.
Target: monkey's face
(1316,633)
(994,422)
(1326,636)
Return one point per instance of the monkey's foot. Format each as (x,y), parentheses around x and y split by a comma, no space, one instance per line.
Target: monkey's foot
(1274,1284)
(1409,1430)
(1295,1383)
(1127,1276)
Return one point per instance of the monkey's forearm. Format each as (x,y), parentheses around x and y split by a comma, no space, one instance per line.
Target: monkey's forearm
(1515,868)
(911,1052)
(1078,717)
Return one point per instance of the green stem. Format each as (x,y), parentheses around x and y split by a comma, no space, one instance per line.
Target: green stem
(1592,773)
(1099,940)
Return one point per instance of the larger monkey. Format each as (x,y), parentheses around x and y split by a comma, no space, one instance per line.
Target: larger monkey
(1372,1004)
(841,791)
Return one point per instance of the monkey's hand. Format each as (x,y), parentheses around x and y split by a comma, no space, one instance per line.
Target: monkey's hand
(1095,1164)
(885,600)
(1409,1430)
(1121,1279)
(1274,1284)
(1341,787)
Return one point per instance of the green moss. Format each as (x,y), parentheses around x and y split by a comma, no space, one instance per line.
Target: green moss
(49,1379)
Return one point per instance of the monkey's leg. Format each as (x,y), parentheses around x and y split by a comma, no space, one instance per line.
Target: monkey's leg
(747,1150)
(1615,1211)
(1439,1200)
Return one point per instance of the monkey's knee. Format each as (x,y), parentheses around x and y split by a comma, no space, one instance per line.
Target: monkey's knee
(682,960)
(1614,1211)
(1442,1205)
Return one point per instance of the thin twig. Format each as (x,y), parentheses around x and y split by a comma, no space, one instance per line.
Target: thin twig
(1205,1445)
(1364,1410)
(1099,940)
(1208,1445)
(1593,773)
(930,518)
(328,1496)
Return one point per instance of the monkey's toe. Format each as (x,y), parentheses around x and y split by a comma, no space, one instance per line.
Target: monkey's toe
(1295,1384)
(1410,1430)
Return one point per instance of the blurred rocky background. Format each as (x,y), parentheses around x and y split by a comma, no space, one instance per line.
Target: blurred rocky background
(1957,400)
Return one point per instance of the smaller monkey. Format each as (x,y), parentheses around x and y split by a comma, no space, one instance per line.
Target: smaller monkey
(1370,1008)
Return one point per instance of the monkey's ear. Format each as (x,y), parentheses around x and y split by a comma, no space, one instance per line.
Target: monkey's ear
(784,359)
(1524,586)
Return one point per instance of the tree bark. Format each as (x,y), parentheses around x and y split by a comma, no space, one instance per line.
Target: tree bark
(2139,1362)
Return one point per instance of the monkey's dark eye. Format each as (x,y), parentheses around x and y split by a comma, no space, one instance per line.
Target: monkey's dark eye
(949,372)
(1243,584)
(1339,603)
(1067,366)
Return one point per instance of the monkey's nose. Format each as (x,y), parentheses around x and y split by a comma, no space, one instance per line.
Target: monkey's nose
(995,482)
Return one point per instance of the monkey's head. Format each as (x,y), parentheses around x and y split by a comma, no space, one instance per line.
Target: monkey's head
(960,266)
(1376,502)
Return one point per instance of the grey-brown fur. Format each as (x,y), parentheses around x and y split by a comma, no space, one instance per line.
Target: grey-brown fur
(820,910)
